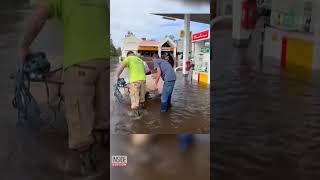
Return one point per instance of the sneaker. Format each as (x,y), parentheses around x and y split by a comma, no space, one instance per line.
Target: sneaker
(134,113)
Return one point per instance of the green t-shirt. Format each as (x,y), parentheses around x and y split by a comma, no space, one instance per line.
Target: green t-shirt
(85,28)
(136,68)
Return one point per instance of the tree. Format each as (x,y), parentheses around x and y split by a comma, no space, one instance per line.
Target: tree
(118,51)
(113,50)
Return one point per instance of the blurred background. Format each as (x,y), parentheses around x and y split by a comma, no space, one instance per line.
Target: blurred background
(27,153)
(159,157)
(193,2)
(265,89)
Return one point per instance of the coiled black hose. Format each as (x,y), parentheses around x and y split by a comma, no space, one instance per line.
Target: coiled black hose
(35,69)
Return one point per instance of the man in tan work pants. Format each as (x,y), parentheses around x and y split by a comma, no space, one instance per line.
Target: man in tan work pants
(137,81)
(86,101)
(86,36)
(137,94)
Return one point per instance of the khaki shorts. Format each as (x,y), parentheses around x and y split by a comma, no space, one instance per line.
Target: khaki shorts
(86,101)
(137,93)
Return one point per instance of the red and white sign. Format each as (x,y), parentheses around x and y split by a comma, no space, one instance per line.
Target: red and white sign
(200,35)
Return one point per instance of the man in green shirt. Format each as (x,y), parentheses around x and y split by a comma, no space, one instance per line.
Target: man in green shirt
(85,25)
(137,81)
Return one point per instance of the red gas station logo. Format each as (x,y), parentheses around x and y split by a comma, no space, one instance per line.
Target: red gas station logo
(200,35)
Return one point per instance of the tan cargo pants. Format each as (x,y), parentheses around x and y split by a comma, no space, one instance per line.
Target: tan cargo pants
(137,93)
(86,101)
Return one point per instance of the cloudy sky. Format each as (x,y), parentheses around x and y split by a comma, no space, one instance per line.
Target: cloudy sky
(134,16)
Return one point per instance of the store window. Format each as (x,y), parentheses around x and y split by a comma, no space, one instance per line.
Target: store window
(293,15)
(206,48)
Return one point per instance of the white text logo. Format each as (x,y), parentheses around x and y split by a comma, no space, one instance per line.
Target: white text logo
(119,161)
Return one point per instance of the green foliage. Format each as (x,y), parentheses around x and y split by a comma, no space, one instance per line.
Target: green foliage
(113,50)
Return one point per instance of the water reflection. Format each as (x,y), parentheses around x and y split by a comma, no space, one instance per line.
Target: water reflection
(160,157)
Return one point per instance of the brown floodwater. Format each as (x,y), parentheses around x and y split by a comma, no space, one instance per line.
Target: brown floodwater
(159,157)
(190,112)
(266,119)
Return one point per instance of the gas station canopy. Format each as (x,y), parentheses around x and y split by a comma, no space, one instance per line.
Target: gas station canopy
(187,18)
(200,18)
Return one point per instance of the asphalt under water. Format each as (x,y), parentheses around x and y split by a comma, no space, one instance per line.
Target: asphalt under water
(190,112)
(266,119)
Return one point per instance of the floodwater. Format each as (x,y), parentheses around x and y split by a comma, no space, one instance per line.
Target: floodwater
(190,111)
(28,153)
(159,157)
(266,119)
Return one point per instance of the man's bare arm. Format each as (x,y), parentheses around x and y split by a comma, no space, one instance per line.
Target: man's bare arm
(120,70)
(158,75)
(34,25)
